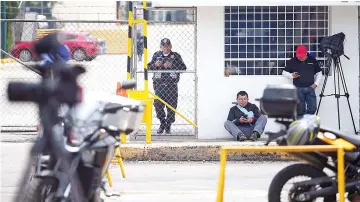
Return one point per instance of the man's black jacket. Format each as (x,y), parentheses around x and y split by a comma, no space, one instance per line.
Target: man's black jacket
(307,70)
(235,113)
(167,77)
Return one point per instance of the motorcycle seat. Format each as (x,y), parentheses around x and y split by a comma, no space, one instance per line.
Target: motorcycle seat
(112,107)
(353,138)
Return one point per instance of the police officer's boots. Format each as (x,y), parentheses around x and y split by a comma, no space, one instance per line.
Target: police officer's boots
(168,129)
(161,128)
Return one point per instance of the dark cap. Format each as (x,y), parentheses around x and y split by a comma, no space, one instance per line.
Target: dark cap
(165,41)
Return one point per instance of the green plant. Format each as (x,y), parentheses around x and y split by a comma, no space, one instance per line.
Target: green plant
(9,37)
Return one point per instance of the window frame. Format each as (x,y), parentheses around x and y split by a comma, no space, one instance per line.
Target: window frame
(244,48)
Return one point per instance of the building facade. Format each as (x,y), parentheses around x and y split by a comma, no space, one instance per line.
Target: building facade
(254,43)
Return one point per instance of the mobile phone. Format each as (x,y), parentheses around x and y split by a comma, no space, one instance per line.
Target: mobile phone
(296,73)
(160,59)
(245,116)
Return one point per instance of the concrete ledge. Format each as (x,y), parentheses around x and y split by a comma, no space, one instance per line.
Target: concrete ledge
(195,151)
(177,150)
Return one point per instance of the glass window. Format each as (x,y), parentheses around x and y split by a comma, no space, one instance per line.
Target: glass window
(259,40)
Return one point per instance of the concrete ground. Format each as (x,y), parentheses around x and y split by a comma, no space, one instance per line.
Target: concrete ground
(162,181)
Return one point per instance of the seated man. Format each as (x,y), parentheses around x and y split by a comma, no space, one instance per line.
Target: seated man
(245,120)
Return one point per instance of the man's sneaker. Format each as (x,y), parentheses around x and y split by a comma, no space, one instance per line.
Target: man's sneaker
(254,136)
(241,137)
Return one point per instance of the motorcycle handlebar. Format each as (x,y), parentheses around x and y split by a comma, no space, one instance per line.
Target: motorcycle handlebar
(64,89)
(129,84)
(22,91)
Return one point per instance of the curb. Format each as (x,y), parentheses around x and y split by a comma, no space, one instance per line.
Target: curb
(195,150)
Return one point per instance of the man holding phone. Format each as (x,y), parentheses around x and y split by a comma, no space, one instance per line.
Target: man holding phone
(245,122)
(165,83)
(306,74)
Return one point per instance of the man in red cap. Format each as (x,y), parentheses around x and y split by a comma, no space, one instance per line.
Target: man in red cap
(306,74)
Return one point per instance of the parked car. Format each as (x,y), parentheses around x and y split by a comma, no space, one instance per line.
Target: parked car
(82,47)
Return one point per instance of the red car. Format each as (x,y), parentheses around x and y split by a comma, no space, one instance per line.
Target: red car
(82,47)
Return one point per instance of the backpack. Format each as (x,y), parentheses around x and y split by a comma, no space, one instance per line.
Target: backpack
(333,45)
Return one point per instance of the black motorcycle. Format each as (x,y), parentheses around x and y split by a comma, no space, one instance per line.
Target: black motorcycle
(75,161)
(280,102)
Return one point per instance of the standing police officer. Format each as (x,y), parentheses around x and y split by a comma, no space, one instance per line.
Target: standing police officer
(165,83)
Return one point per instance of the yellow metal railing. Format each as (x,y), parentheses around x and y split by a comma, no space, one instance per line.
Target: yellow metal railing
(145,95)
(289,149)
(172,108)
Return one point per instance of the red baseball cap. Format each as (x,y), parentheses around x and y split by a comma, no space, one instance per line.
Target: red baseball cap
(301,51)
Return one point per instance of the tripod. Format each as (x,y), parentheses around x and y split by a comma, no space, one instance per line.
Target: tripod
(338,75)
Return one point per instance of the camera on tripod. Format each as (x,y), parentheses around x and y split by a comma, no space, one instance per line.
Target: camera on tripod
(333,47)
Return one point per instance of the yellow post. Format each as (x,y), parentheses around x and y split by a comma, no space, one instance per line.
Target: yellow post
(123,138)
(289,149)
(341,174)
(120,161)
(109,178)
(148,121)
(129,53)
(220,196)
(145,13)
(129,50)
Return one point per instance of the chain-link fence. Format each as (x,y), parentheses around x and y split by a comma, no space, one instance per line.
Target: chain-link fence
(100,46)
(172,77)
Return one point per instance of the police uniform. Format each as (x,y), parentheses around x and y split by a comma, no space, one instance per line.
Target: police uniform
(165,85)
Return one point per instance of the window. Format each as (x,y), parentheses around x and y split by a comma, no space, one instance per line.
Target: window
(260,39)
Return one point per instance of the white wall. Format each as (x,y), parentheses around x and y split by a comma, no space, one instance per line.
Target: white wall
(216,92)
(344,19)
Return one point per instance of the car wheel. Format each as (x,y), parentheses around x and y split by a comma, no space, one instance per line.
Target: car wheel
(25,55)
(79,55)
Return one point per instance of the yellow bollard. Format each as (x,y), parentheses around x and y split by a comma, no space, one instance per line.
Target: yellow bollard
(120,161)
(148,120)
(108,176)
(123,138)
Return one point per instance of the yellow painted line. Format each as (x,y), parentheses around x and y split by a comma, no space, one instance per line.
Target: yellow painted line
(7,60)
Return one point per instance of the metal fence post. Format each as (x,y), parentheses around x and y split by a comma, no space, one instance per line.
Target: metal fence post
(145,13)
(3,28)
(129,50)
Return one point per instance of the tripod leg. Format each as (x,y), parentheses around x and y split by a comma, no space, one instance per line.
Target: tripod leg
(337,89)
(347,95)
(322,92)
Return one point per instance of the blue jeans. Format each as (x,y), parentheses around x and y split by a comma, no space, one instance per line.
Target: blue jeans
(307,98)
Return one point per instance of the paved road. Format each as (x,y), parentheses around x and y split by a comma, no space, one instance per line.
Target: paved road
(164,182)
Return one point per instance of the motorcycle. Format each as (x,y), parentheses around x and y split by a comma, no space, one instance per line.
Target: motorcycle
(49,95)
(87,123)
(75,166)
(280,102)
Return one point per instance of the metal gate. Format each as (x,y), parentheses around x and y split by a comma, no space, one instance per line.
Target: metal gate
(102,46)
(181,31)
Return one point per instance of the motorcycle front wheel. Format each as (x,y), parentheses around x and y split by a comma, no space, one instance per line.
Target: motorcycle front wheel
(291,172)
(41,190)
